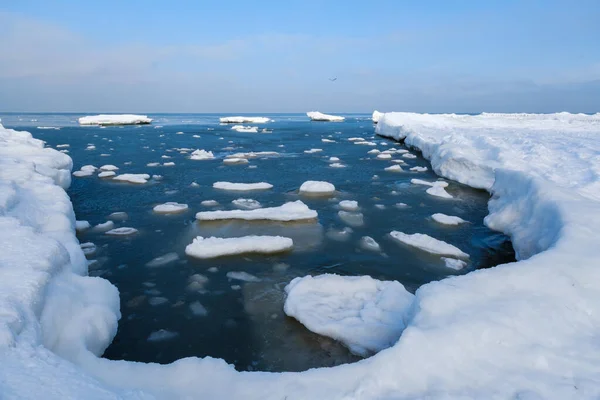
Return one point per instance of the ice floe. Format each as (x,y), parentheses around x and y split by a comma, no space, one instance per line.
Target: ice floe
(202,155)
(116,119)
(453,263)
(170,207)
(106,174)
(123,231)
(291,211)
(428,244)
(246,204)
(437,188)
(132,178)
(318,116)
(318,188)
(365,314)
(244,120)
(349,205)
(216,247)
(163,260)
(447,219)
(241,187)
(245,129)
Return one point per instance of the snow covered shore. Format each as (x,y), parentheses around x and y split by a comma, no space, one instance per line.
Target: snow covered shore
(522,330)
(116,119)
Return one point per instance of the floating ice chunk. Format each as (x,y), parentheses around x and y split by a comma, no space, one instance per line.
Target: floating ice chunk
(337,165)
(374,151)
(290,211)
(163,260)
(62,146)
(313,151)
(356,139)
(340,235)
(49,127)
(105,226)
(132,178)
(246,204)
(317,188)
(379,206)
(119,215)
(109,167)
(91,147)
(82,174)
(124,231)
(317,116)
(244,120)
(122,119)
(202,155)
(209,203)
(349,205)
(88,248)
(401,205)
(368,243)
(447,219)
(324,140)
(437,188)
(366,143)
(394,168)
(162,335)
(352,219)
(157,177)
(236,287)
(168,164)
(233,160)
(453,263)
(428,244)
(198,309)
(242,186)
(153,164)
(217,247)
(170,207)
(334,159)
(384,156)
(409,155)
(253,154)
(376,116)
(81,225)
(197,283)
(106,174)
(245,129)
(165,156)
(419,169)
(365,314)
(242,276)
(194,184)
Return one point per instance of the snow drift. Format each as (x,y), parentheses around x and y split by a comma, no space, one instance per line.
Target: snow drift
(522,330)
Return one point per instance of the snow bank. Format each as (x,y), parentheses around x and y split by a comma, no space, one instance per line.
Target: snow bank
(365,314)
(244,120)
(241,187)
(216,247)
(117,119)
(317,116)
(291,211)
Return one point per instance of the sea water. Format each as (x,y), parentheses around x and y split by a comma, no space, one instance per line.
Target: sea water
(178,306)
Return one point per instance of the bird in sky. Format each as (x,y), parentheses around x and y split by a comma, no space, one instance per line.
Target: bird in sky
(333,79)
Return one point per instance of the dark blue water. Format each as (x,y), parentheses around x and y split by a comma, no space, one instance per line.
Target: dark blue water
(244,322)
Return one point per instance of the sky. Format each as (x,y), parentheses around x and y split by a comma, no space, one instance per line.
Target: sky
(278,56)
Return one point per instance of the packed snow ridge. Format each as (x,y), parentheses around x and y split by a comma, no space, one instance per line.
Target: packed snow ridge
(317,116)
(116,119)
(217,247)
(520,330)
(291,211)
(365,314)
(244,120)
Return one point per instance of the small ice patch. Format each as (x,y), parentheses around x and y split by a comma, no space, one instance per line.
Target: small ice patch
(428,244)
(119,215)
(384,156)
(453,263)
(340,235)
(409,155)
(233,160)
(349,205)
(153,164)
(105,226)
(132,178)
(368,243)
(337,165)
(217,247)
(313,151)
(317,188)
(246,204)
(106,174)
(198,309)
(419,169)
(109,167)
(351,218)
(163,260)
(88,248)
(244,120)
(242,186)
(447,219)
(242,276)
(394,168)
(157,301)
(318,116)
(209,203)
(124,231)
(437,188)
(170,207)
(334,159)
(327,140)
(245,129)
(168,164)
(202,155)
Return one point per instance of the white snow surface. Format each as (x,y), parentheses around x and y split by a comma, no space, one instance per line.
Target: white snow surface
(216,247)
(244,120)
(519,330)
(117,119)
(365,314)
(245,129)
(290,211)
(318,116)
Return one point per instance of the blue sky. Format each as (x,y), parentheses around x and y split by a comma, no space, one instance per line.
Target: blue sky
(277,56)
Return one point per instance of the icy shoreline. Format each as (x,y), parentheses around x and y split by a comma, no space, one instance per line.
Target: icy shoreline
(523,330)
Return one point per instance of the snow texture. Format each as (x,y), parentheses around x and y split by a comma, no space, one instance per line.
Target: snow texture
(317,116)
(376,116)
(365,314)
(290,211)
(120,119)
(216,247)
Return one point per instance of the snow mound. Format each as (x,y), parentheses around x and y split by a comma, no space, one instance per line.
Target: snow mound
(317,116)
(170,207)
(365,314)
(216,247)
(132,178)
(202,155)
(117,119)
(244,120)
(319,188)
(428,244)
(291,211)
(242,187)
(447,219)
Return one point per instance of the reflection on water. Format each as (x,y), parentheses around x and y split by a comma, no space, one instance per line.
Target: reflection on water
(174,306)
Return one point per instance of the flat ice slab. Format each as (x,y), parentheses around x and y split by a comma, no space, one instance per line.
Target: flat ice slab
(244,120)
(132,178)
(365,314)
(124,231)
(428,244)
(242,186)
(317,188)
(116,119)
(170,207)
(216,247)
(437,188)
(291,211)
(317,116)
(245,129)
(447,219)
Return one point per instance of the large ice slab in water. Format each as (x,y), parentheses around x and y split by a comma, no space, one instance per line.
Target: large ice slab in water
(116,119)
(291,211)
(365,314)
(428,244)
(318,116)
(244,120)
(216,247)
